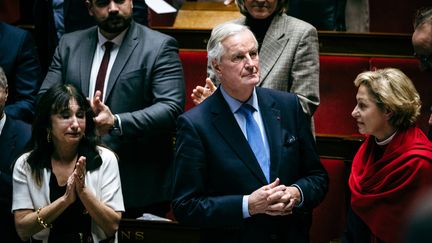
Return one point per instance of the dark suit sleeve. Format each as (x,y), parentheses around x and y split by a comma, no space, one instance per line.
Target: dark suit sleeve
(27,77)
(168,92)
(192,202)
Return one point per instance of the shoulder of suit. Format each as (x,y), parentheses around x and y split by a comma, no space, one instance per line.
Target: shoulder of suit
(277,94)
(20,126)
(291,22)
(80,33)
(150,33)
(13,32)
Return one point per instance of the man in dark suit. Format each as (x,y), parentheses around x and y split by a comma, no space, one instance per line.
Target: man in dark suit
(250,176)
(422,44)
(18,57)
(14,135)
(52,18)
(138,101)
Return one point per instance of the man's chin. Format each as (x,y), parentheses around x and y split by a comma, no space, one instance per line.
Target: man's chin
(114,28)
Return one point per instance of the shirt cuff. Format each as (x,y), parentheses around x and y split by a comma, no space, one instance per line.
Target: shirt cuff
(301,196)
(119,123)
(245,207)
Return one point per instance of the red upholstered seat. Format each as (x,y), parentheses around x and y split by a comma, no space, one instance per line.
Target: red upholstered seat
(337,94)
(329,217)
(421,80)
(195,72)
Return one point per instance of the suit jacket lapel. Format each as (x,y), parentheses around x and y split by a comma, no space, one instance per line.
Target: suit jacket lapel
(129,43)
(273,45)
(272,124)
(86,59)
(225,123)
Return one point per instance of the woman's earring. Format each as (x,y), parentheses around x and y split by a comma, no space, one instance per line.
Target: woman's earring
(49,136)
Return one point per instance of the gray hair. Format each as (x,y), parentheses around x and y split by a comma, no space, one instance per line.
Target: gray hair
(3,79)
(215,50)
(423,15)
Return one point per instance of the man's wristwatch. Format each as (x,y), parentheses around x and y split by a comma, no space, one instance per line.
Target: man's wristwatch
(115,129)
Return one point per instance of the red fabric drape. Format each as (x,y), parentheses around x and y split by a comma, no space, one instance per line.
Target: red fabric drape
(383,190)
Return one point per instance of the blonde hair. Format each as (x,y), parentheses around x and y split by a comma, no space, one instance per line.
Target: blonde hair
(393,91)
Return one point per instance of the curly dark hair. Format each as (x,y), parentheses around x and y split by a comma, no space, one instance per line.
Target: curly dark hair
(53,102)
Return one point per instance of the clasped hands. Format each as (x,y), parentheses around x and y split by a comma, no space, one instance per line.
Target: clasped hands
(76,181)
(274,199)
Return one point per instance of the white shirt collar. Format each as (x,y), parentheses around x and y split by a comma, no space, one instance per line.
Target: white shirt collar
(117,40)
(2,123)
(385,141)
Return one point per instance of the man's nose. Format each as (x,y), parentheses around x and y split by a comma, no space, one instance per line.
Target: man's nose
(113,7)
(248,60)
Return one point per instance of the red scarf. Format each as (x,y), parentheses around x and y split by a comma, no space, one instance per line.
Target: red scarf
(382,191)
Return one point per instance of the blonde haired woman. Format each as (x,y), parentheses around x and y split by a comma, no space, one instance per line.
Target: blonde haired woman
(394,164)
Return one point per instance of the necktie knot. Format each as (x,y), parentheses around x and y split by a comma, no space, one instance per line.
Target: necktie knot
(247,110)
(108,46)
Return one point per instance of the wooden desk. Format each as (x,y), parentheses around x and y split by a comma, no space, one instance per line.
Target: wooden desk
(330,42)
(341,147)
(131,230)
(204,15)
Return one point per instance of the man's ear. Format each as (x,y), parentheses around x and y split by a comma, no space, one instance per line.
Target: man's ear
(89,7)
(216,66)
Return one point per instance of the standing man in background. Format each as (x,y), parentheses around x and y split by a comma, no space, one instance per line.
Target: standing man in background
(53,18)
(19,59)
(134,78)
(422,44)
(14,136)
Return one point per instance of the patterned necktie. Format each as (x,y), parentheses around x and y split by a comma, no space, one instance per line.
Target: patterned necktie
(100,79)
(255,139)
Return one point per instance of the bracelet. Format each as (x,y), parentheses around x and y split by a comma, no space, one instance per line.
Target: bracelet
(41,222)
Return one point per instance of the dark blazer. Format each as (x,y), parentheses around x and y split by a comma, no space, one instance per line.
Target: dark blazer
(13,140)
(215,167)
(146,89)
(19,60)
(75,17)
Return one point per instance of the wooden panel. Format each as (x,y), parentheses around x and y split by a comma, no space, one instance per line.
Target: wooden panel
(340,147)
(330,42)
(204,15)
(132,230)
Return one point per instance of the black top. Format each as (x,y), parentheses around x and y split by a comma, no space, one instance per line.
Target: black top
(74,223)
(259,27)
